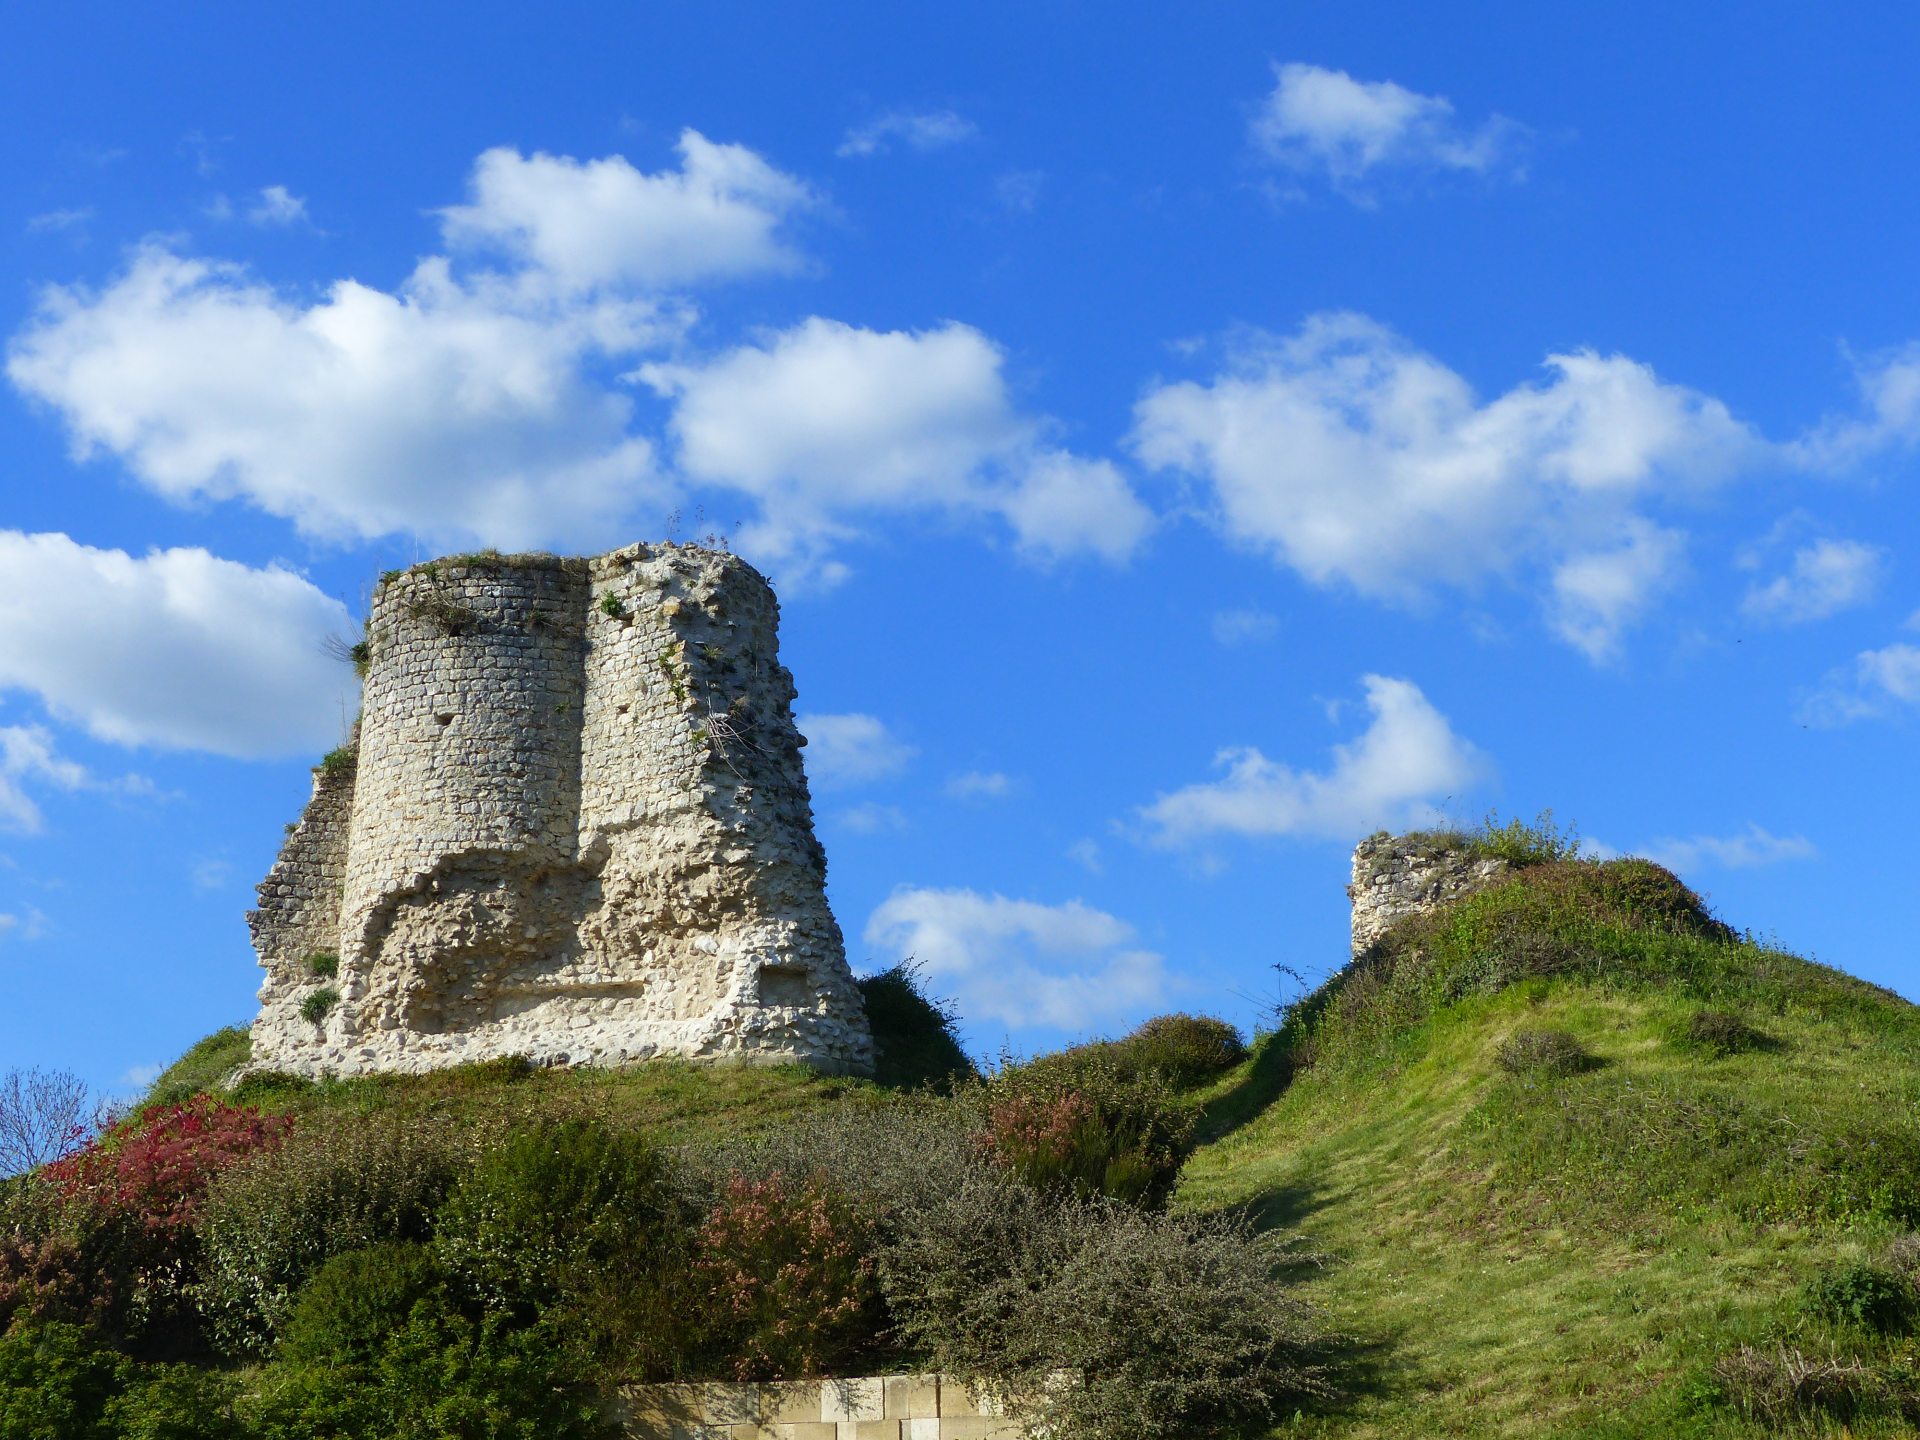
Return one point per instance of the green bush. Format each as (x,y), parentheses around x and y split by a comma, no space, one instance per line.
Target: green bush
(555,1199)
(1087,1122)
(914,1036)
(1861,1294)
(1539,841)
(1550,1053)
(438,1374)
(1186,1049)
(354,1301)
(317,1006)
(269,1224)
(176,1402)
(55,1382)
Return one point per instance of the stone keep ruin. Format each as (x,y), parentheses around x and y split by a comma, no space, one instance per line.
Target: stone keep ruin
(573,825)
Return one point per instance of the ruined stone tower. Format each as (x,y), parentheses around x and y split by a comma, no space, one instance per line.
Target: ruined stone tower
(573,826)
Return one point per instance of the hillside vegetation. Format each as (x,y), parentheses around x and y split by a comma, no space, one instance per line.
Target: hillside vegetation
(1568,1158)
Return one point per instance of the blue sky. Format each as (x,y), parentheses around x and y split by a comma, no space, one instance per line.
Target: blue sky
(1184,439)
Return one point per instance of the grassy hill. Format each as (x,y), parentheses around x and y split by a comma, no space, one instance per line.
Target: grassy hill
(1573,1159)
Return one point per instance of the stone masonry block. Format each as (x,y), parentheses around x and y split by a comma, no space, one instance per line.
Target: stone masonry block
(791,1403)
(871,1430)
(978,1427)
(722,1404)
(853,1400)
(808,1430)
(912,1397)
(925,1428)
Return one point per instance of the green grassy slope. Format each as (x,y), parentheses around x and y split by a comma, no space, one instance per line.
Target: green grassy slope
(1526,1254)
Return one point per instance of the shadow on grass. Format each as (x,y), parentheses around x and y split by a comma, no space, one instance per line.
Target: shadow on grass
(1267,1078)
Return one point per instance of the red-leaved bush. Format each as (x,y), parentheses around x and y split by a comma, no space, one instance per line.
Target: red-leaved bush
(789,1277)
(155,1169)
(105,1237)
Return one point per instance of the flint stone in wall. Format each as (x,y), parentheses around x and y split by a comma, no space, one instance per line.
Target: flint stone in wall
(576,827)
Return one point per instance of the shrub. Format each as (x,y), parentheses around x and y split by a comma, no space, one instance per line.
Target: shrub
(69,1268)
(1186,1049)
(588,1225)
(44,1114)
(317,1006)
(1539,841)
(354,1301)
(339,760)
(786,1269)
(269,1224)
(323,964)
(437,1374)
(1169,1325)
(176,1402)
(1085,1122)
(1861,1294)
(914,1039)
(1551,1053)
(55,1381)
(1719,1033)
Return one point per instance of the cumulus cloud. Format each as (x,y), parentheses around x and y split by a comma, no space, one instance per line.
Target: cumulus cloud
(1889,385)
(176,649)
(852,749)
(1822,579)
(827,423)
(1326,122)
(462,407)
(604,223)
(27,754)
(1388,777)
(277,206)
(1355,459)
(1020,962)
(871,818)
(29,924)
(920,130)
(1742,850)
(1878,683)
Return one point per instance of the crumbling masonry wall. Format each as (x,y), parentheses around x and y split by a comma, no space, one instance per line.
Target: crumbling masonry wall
(576,827)
(1395,876)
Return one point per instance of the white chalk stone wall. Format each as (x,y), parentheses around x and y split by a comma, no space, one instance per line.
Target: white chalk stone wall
(879,1407)
(580,831)
(1395,876)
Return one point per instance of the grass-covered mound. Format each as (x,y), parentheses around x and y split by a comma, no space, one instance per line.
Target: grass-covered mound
(1585,1162)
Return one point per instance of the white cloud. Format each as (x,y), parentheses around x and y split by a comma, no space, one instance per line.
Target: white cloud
(1086,854)
(1390,776)
(1878,683)
(921,130)
(1823,579)
(462,407)
(1740,851)
(27,753)
(28,926)
(594,223)
(211,874)
(980,785)
(53,221)
(277,205)
(1019,962)
(1327,122)
(139,1077)
(871,818)
(853,749)
(826,423)
(1244,627)
(177,649)
(449,410)
(1889,385)
(1355,459)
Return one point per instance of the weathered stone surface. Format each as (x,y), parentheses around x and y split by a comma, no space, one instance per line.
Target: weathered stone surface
(1395,876)
(576,828)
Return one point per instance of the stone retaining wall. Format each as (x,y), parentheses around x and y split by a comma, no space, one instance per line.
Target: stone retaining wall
(882,1407)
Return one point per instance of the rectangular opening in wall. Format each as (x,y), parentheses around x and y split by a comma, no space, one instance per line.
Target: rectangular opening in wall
(785,985)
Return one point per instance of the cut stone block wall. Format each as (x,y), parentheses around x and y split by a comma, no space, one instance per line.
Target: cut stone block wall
(881,1407)
(577,828)
(1395,876)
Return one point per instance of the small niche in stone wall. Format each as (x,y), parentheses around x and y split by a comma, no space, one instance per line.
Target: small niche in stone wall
(443,719)
(785,985)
